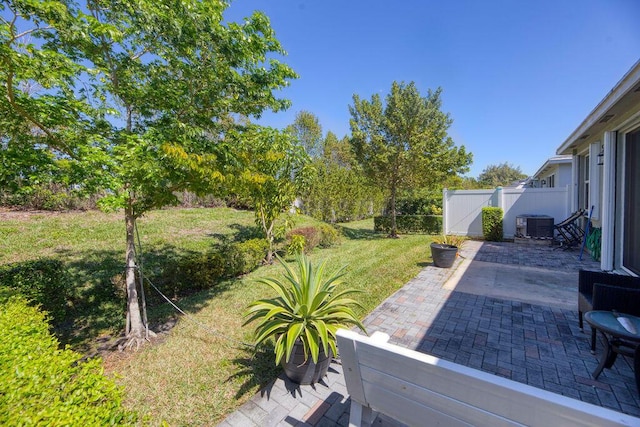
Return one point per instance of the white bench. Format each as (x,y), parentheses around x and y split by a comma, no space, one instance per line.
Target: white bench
(422,390)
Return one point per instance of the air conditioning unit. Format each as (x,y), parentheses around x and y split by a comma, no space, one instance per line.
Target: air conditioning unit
(534,226)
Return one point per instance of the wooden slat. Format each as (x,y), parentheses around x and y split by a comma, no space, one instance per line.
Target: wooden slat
(407,377)
(351,365)
(529,405)
(426,401)
(409,412)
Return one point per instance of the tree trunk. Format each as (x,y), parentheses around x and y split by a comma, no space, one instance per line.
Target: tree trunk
(270,239)
(394,228)
(135,325)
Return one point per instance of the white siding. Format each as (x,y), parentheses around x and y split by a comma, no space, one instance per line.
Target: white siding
(563,178)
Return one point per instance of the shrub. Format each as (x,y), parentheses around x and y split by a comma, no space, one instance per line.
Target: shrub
(243,257)
(193,272)
(47,196)
(329,236)
(311,236)
(492,224)
(199,271)
(42,385)
(296,245)
(44,282)
(429,224)
(418,202)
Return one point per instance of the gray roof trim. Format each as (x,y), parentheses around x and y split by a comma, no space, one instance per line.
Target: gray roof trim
(624,86)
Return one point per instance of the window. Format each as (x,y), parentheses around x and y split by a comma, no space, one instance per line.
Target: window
(631,220)
(551,181)
(584,200)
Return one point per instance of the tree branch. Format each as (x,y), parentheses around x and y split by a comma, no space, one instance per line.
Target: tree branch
(139,54)
(25,114)
(24,33)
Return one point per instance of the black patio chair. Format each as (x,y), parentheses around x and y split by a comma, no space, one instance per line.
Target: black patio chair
(614,292)
(569,233)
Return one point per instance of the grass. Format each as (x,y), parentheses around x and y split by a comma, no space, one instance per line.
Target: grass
(200,371)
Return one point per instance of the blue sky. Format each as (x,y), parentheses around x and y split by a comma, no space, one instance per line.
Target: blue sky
(518,77)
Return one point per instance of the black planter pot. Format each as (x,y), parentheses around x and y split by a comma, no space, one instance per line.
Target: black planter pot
(301,372)
(443,255)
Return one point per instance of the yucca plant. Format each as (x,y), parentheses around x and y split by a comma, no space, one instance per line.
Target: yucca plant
(308,308)
(450,239)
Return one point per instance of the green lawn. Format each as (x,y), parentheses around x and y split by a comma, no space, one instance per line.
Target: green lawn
(200,371)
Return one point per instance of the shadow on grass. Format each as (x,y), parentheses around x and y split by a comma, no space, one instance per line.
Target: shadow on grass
(360,233)
(240,233)
(256,367)
(98,296)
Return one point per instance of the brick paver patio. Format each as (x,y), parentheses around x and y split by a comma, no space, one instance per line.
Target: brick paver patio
(533,344)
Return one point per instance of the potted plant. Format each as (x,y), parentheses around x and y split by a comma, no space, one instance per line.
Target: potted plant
(303,318)
(444,249)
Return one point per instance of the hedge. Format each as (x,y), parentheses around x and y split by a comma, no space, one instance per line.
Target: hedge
(201,271)
(429,224)
(43,282)
(492,224)
(43,385)
(307,238)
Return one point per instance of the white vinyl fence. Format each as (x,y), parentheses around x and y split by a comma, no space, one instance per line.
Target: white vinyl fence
(462,209)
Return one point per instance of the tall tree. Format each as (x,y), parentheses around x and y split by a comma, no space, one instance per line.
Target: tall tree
(338,191)
(338,151)
(404,142)
(500,174)
(307,130)
(137,95)
(274,171)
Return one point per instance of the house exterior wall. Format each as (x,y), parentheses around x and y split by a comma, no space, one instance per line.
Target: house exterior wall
(555,172)
(563,177)
(602,138)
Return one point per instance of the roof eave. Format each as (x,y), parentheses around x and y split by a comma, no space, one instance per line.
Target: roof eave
(623,87)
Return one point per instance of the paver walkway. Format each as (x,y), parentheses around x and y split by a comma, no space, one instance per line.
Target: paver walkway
(536,344)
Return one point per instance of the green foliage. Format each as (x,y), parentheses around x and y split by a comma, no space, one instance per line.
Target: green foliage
(42,385)
(307,131)
(429,224)
(492,223)
(244,257)
(192,272)
(462,183)
(339,191)
(139,98)
(341,194)
(404,143)
(43,282)
(329,236)
(418,202)
(311,236)
(48,197)
(450,239)
(308,308)
(307,238)
(274,171)
(92,242)
(296,245)
(200,271)
(500,175)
